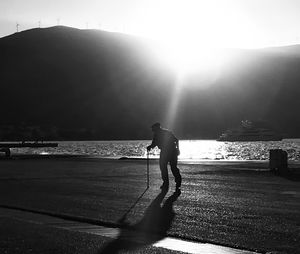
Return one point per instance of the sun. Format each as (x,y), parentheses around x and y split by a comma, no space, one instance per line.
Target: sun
(186,58)
(189,33)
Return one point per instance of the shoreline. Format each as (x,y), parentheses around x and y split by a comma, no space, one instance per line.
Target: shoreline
(191,150)
(26,156)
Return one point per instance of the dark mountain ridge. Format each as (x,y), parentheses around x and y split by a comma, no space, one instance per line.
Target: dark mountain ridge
(88,84)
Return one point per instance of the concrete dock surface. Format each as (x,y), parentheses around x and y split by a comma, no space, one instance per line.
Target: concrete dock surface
(237,205)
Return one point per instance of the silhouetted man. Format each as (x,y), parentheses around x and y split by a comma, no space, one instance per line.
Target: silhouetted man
(169,151)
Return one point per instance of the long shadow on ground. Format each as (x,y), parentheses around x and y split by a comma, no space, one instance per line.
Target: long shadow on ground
(153,226)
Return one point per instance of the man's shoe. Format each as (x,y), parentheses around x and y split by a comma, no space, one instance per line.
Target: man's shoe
(178,182)
(164,186)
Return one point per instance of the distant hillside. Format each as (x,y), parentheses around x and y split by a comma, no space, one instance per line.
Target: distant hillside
(88,84)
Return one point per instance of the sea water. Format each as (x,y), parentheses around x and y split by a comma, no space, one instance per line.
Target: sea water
(190,149)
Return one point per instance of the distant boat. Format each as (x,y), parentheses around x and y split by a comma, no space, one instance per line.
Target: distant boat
(249,132)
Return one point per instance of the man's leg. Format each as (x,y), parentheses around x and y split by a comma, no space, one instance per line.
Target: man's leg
(163,163)
(175,170)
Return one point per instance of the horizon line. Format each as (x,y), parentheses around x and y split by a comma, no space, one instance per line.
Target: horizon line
(153,39)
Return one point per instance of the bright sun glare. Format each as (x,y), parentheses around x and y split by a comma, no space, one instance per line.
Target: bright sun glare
(186,59)
(188,32)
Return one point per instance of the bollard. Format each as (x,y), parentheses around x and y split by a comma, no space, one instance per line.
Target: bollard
(278,160)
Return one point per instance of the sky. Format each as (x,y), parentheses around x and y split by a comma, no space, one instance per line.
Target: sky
(217,23)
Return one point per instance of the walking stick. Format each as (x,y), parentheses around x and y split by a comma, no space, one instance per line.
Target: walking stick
(123,218)
(147,169)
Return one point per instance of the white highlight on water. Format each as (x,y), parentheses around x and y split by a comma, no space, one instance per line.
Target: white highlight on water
(190,149)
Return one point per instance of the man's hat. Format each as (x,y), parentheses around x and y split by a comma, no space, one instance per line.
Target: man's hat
(156,125)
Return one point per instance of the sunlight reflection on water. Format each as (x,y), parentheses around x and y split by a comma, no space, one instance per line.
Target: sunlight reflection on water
(190,149)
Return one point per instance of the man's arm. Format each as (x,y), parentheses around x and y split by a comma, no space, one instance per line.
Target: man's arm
(150,147)
(153,144)
(176,141)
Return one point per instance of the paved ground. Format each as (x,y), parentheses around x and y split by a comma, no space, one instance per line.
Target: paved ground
(111,240)
(241,205)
